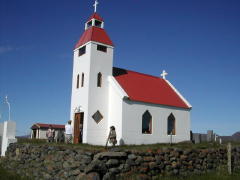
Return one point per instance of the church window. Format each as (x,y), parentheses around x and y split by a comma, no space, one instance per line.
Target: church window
(147,123)
(99,80)
(97,116)
(102,48)
(82,82)
(98,23)
(77,81)
(171,125)
(82,51)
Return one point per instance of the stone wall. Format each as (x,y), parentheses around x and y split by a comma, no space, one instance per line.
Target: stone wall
(71,162)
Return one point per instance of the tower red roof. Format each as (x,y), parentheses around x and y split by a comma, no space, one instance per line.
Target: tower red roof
(94,34)
(95,16)
(147,88)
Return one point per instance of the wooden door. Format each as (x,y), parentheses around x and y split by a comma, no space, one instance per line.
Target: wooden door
(78,128)
(34,134)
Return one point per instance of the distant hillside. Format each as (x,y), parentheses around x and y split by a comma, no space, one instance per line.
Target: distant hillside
(24,136)
(237,134)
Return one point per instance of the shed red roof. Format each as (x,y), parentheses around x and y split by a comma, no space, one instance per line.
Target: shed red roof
(147,88)
(94,34)
(95,16)
(41,125)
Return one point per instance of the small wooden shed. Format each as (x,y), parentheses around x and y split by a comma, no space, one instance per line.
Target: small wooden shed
(39,130)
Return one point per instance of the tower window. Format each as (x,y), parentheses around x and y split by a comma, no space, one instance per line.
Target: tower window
(98,23)
(82,83)
(89,24)
(77,81)
(99,80)
(82,51)
(102,48)
(147,123)
(171,125)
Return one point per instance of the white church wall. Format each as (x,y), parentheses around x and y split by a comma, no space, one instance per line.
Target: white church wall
(98,96)
(132,123)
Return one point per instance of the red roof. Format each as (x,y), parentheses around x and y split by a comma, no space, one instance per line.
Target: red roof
(41,125)
(94,34)
(147,88)
(95,16)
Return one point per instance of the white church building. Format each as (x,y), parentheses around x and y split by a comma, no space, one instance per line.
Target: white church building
(143,108)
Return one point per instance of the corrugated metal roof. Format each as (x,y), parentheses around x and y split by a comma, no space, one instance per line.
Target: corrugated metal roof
(147,88)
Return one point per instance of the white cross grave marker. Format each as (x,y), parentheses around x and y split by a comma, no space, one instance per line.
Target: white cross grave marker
(164,74)
(95,5)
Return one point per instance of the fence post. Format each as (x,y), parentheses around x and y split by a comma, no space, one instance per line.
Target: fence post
(229,156)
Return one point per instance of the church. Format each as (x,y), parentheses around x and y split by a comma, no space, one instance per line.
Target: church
(144,109)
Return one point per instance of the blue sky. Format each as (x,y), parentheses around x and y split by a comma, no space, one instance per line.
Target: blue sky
(196,42)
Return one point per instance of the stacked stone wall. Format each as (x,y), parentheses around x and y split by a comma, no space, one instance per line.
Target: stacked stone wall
(67,162)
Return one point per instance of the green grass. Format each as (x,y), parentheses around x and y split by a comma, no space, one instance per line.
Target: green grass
(208,176)
(6,175)
(220,174)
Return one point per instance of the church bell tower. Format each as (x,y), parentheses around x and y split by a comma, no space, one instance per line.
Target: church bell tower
(92,64)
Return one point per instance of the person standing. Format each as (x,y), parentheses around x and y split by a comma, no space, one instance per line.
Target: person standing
(112,137)
(50,134)
(68,132)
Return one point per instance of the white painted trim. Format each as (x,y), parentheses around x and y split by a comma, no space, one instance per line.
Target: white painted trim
(93,42)
(179,94)
(112,81)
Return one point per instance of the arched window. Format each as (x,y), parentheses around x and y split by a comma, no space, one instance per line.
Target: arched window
(99,80)
(147,123)
(77,81)
(82,83)
(171,125)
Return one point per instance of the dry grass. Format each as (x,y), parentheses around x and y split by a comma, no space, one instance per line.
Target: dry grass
(151,147)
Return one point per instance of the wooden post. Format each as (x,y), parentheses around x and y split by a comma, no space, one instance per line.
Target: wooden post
(229,156)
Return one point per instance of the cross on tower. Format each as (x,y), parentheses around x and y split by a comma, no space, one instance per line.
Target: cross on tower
(164,74)
(95,5)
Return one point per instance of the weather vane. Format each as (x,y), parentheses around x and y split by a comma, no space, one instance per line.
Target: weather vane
(95,5)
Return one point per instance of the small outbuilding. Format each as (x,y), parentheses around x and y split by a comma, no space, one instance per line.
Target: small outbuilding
(39,130)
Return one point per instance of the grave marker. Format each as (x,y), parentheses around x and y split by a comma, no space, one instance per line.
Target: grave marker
(8,135)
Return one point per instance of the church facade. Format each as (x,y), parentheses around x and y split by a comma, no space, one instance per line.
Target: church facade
(144,109)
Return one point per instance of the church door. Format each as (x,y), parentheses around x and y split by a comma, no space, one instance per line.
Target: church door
(78,128)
